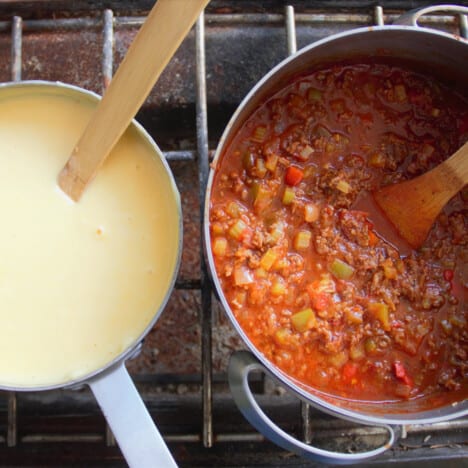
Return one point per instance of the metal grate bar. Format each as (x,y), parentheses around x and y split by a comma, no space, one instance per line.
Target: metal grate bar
(107,48)
(12,431)
(464,26)
(291,29)
(16,67)
(378,16)
(203,169)
(247,18)
(16,47)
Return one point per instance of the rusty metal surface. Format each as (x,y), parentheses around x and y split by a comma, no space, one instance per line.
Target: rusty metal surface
(63,40)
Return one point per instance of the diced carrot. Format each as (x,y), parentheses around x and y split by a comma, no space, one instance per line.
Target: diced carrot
(293,176)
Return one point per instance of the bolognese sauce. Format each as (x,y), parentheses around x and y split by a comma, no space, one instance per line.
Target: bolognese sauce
(315,285)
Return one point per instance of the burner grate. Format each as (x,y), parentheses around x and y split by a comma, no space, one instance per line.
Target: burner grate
(193,409)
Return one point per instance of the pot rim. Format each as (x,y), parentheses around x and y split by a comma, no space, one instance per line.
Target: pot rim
(427,416)
(94,98)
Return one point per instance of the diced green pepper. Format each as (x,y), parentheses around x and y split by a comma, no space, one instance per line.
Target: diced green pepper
(248,161)
(288,195)
(314,94)
(261,196)
(234,209)
(304,320)
(343,186)
(259,134)
(370,346)
(302,240)
(340,269)
(260,168)
(271,162)
(238,229)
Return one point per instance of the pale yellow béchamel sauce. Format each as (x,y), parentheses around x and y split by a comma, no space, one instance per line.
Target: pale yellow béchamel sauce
(79,282)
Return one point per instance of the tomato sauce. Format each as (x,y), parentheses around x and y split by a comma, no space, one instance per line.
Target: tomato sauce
(315,284)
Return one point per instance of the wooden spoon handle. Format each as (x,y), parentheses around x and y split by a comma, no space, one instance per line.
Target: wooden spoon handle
(455,169)
(167,24)
(440,184)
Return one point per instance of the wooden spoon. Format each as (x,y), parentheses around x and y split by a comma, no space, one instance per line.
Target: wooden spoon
(166,26)
(412,206)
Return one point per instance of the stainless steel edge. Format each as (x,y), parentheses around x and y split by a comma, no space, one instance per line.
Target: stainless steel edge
(435,51)
(411,17)
(241,364)
(126,353)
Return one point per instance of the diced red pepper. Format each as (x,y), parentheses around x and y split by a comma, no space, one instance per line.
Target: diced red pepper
(293,176)
(349,371)
(320,300)
(401,374)
(448,275)
(373,239)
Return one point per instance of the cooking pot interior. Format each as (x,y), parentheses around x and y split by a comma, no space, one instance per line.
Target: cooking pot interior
(432,54)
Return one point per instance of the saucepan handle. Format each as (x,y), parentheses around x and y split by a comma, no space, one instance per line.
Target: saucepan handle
(411,17)
(137,436)
(241,364)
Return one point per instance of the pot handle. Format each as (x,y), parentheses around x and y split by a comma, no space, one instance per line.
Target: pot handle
(411,17)
(140,441)
(240,366)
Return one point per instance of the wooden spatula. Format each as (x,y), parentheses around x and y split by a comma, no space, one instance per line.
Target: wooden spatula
(413,206)
(167,24)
